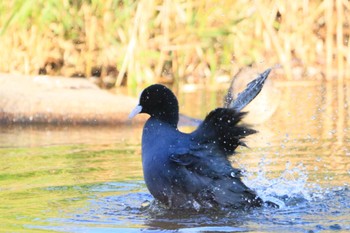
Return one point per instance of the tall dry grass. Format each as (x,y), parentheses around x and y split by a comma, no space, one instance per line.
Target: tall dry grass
(181,41)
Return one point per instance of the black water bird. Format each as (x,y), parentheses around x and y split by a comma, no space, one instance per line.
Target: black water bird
(192,170)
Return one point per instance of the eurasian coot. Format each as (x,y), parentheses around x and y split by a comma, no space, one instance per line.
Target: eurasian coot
(192,170)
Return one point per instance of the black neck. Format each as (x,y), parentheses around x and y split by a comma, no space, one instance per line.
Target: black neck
(170,115)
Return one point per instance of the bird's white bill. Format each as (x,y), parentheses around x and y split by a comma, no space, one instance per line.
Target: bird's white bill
(135,111)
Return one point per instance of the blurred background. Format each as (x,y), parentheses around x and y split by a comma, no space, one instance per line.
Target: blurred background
(124,42)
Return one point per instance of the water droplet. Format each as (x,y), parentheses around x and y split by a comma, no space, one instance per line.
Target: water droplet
(196,205)
(145,204)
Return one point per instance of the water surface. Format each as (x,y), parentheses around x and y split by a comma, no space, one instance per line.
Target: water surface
(89,179)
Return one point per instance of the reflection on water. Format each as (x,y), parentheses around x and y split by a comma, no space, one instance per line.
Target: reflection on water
(90,179)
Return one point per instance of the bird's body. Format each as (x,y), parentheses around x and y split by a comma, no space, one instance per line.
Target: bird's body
(192,170)
(159,178)
(182,171)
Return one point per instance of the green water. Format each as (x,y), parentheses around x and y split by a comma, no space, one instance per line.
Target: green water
(38,183)
(89,179)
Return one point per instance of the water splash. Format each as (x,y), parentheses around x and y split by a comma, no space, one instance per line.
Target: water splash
(289,188)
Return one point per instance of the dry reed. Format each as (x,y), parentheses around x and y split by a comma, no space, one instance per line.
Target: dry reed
(181,41)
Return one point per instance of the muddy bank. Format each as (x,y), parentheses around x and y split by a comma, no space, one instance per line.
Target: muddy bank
(60,100)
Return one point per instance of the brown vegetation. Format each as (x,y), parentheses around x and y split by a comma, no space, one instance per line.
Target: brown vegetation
(175,41)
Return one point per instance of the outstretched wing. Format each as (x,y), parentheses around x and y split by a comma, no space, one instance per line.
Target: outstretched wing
(220,131)
(246,96)
(243,99)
